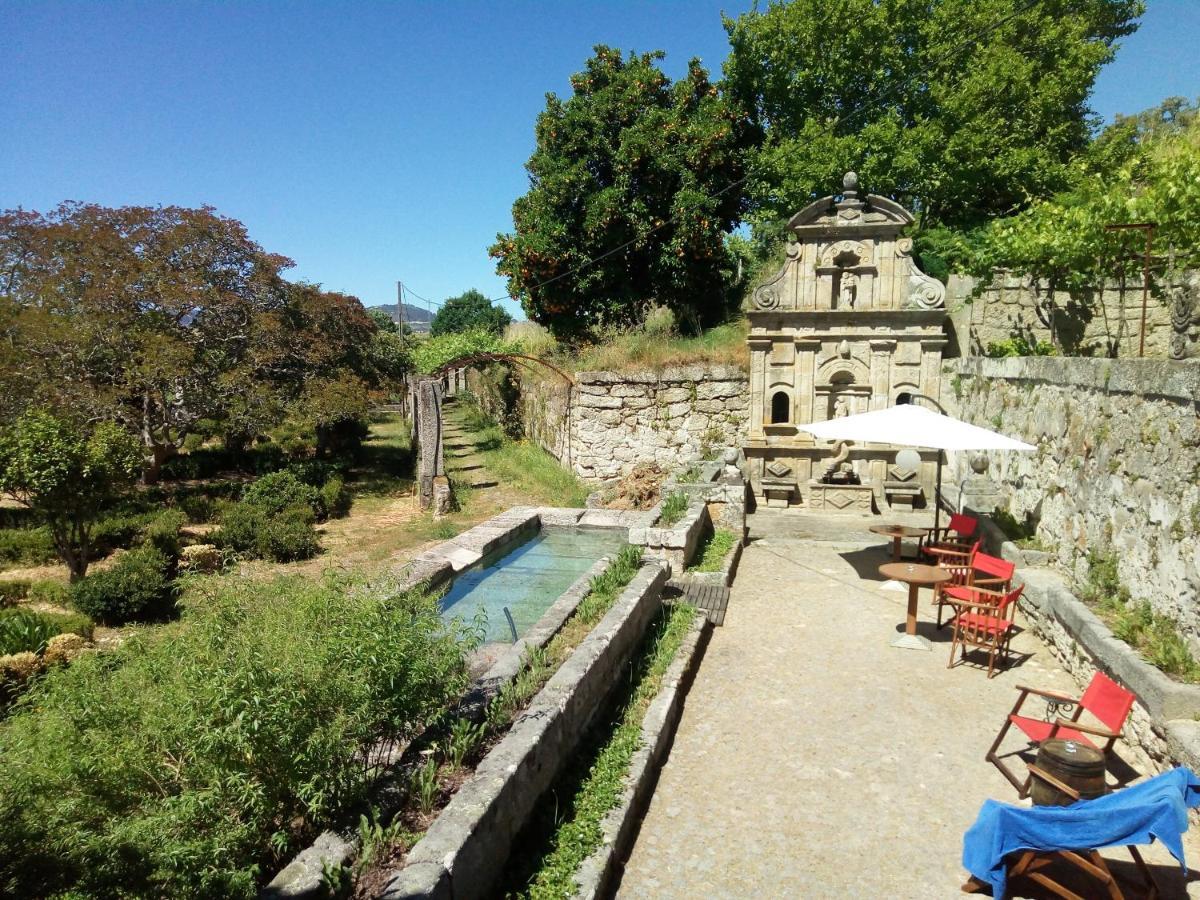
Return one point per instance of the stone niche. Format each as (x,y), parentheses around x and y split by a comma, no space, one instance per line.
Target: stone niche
(847,325)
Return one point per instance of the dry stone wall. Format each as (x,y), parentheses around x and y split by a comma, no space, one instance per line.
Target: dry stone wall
(608,422)
(1016,305)
(1117,469)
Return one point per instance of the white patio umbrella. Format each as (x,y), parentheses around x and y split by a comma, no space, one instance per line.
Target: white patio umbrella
(908,425)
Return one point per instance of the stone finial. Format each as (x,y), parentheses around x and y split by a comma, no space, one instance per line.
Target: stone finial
(850,183)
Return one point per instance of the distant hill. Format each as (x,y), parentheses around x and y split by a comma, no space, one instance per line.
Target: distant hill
(414,316)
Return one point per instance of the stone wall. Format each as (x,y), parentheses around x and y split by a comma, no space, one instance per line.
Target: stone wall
(1117,469)
(1010,307)
(608,422)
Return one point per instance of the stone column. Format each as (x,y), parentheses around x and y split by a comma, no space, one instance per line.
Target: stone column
(428,426)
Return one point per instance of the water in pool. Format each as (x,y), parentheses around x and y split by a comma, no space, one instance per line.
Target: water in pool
(528,578)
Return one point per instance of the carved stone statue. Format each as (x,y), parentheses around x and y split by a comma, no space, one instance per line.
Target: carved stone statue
(848,291)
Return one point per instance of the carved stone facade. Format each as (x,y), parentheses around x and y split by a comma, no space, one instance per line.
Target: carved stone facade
(846,326)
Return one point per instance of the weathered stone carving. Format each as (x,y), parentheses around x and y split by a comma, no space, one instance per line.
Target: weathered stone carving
(846,321)
(1185,320)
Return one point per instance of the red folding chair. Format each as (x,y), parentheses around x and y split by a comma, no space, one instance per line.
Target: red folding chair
(1104,699)
(991,575)
(983,619)
(954,538)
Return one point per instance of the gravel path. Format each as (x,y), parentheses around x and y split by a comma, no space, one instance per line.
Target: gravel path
(813,760)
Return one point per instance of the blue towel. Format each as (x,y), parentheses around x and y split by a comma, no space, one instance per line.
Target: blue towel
(1156,808)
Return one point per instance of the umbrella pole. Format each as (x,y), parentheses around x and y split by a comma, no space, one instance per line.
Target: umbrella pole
(937,495)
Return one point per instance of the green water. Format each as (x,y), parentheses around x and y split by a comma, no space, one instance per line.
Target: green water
(528,578)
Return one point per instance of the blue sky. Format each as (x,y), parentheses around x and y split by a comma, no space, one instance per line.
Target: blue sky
(370,142)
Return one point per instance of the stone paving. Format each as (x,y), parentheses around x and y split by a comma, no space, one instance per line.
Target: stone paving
(814,760)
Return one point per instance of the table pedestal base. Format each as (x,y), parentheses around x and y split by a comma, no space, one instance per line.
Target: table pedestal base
(911,642)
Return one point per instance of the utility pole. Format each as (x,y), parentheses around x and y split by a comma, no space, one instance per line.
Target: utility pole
(400,305)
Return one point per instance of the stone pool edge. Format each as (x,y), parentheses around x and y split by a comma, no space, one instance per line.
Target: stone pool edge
(303,875)
(467,846)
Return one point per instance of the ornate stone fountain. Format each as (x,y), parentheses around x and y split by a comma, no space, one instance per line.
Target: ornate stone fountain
(847,325)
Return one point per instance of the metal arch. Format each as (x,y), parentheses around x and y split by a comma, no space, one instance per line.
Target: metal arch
(473,358)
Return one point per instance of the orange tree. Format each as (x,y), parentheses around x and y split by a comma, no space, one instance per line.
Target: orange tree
(628,161)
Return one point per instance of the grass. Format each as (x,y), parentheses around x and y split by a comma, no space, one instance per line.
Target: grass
(566,830)
(520,465)
(723,345)
(673,508)
(1154,636)
(714,550)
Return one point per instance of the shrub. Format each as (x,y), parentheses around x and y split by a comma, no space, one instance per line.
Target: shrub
(280,490)
(24,630)
(163,533)
(27,546)
(290,536)
(12,591)
(47,591)
(286,536)
(191,760)
(137,587)
(335,498)
(1019,346)
(119,530)
(315,472)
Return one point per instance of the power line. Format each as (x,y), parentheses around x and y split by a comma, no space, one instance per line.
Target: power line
(834,123)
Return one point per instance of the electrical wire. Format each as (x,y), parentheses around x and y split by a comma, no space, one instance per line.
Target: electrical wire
(834,123)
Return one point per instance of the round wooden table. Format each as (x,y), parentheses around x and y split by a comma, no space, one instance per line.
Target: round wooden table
(916,576)
(898,533)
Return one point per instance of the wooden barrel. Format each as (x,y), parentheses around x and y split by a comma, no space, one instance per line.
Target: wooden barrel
(1074,764)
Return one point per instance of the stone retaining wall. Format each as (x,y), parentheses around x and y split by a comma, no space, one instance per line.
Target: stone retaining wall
(608,422)
(1117,469)
(1010,307)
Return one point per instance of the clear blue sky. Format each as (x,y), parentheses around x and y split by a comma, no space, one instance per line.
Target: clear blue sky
(368,141)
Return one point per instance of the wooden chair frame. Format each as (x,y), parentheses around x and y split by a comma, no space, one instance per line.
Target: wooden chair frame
(954,537)
(1029,863)
(1056,699)
(985,619)
(978,570)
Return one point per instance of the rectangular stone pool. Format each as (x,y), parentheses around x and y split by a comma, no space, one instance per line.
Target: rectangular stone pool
(527,578)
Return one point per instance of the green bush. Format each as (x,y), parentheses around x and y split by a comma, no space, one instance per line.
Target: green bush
(335,498)
(12,591)
(47,591)
(119,530)
(24,630)
(136,588)
(283,537)
(279,491)
(1019,346)
(163,533)
(192,760)
(27,546)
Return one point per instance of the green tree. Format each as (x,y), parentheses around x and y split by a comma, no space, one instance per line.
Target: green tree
(1062,242)
(467,312)
(961,109)
(67,474)
(383,321)
(633,185)
(160,317)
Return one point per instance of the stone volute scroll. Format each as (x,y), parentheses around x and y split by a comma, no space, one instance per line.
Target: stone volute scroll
(845,324)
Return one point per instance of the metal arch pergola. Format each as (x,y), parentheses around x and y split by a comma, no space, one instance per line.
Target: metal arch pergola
(517,358)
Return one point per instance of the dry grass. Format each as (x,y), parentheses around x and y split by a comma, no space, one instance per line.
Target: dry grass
(724,345)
